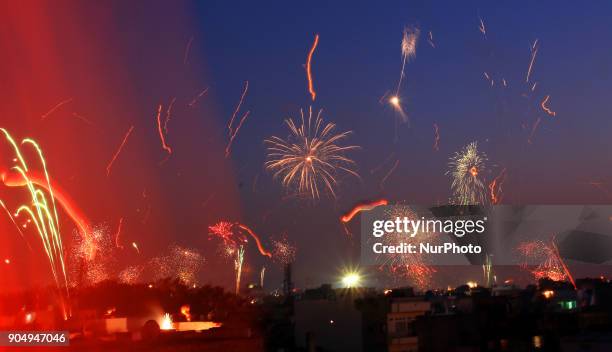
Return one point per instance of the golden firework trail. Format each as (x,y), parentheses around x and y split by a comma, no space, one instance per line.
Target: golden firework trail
(238,261)
(466,169)
(42,212)
(311,157)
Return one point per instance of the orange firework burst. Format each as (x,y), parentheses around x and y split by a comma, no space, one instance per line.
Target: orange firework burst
(362,207)
(550,264)
(311,90)
(310,157)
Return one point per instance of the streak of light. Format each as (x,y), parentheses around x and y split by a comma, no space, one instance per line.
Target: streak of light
(495,187)
(374,170)
(168,114)
(136,247)
(362,207)
(311,90)
(57,106)
(112,161)
(533,130)
(430,40)
(482,27)
(384,179)
(82,118)
(546,108)
(231,131)
(187,50)
(228,148)
(161,132)
(436,145)
(118,233)
(260,247)
(195,100)
(534,52)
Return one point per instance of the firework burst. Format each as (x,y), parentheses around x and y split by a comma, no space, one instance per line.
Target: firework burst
(466,170)
(311,157)
(549,262)
(402,265)
(283,251)
(182,263)
(92,258)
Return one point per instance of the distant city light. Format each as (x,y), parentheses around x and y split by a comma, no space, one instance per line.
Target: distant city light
(548,294)
(351,279)
(472,284)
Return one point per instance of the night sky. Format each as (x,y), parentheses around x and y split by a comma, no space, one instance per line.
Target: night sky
(118,62)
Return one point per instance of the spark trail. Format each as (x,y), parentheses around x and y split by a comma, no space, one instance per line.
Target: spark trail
(118,233)
(260,247)
(545,106)
(482,27)
(533,130)
(187,50)
(436,145)
(495,187)
(112,161)
(195,100)
(54,108)
(311,89)
(534,53)
(168,115)
(231,131)
(162,137)
(362,207)
(384,179)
